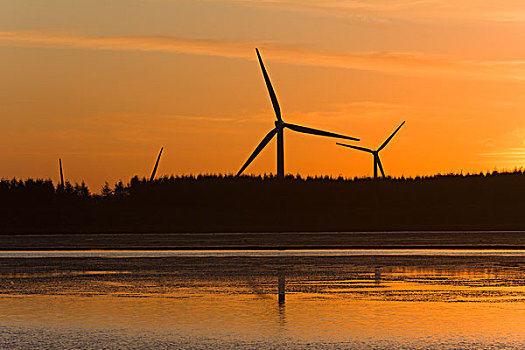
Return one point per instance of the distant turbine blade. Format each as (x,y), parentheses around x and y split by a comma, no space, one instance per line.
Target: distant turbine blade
(306,130)
(156,165)
(275,104)
(390,137)
(355,147)
(380,166)
(61,173)
(259,148)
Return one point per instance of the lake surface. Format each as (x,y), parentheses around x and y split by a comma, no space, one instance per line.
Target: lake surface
(356,299)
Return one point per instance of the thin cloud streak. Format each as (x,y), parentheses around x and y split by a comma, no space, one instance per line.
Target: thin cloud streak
(412,64)
(396,10)
(130,43)
(511,153)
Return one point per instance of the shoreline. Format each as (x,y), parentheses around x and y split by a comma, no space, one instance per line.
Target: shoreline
(387,240)
(255,249)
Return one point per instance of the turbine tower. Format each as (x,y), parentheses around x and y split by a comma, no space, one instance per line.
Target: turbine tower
(156,165)
(280,125)
(377,161)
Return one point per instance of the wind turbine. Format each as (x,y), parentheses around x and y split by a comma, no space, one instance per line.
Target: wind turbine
(156,165)
(280,125)
(377,161)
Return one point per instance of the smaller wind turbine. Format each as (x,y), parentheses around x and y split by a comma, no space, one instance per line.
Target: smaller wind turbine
(156,165)
(61,173)
(377,161)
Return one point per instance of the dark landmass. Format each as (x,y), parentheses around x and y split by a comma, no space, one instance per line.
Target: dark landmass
(225,204)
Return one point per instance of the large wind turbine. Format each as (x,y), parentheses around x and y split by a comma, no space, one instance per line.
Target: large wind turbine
(377,161)
(156,165)
(280,125)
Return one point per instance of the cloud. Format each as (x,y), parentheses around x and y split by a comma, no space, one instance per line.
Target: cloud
(400,63)
(509,146)
(401,10)
(512,153)
(129,43)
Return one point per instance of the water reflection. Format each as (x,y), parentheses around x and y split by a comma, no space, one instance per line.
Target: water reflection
(264,302)
(281,299)
(281,289)
(377,275)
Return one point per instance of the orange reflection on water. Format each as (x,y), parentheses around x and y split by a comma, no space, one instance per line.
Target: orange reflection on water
(323,302)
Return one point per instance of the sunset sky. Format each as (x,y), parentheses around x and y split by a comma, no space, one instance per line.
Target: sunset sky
(105,84)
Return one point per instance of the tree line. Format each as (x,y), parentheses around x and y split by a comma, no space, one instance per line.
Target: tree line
(224,203)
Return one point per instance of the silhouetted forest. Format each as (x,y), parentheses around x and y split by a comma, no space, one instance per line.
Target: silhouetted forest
(216,203)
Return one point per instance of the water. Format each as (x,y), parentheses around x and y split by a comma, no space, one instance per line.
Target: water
(260,300)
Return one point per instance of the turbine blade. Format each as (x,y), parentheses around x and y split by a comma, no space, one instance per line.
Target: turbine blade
(61,173)
(275,104)
(380,166)
(156,165)
(259,148)
(311,131)
(355,147)
(390,137)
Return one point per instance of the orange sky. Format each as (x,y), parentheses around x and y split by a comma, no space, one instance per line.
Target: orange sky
(105,84)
